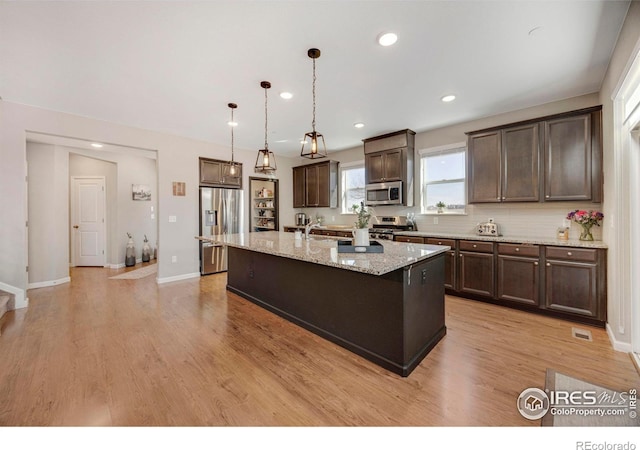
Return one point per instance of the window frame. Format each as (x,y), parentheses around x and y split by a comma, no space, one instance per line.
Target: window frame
(345,167)
(442,150)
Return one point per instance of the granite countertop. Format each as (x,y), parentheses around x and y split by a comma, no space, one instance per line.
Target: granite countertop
(323,250)
(508,239)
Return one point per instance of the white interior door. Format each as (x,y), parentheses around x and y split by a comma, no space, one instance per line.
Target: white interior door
(88,221)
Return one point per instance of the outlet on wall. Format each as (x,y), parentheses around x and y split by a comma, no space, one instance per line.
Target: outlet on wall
(174,259)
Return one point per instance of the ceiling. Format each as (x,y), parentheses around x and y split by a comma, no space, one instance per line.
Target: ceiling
(174,66)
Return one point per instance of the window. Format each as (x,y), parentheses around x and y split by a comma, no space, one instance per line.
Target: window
(443,172)
(352,185)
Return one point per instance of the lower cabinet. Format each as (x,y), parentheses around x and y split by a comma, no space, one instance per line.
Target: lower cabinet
(519,273)
(566,282)
(450,263)
(477,268)
(574,282)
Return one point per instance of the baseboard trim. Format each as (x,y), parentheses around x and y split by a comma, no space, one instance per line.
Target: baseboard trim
(20,300)
(116,266)
(186,276)
(618,345)
(41,284)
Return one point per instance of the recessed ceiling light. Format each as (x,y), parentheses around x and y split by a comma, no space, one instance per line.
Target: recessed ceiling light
(448,98)
(282,140)
(232,124)
(387,39)
(96,145)
(286,95)
(358,125)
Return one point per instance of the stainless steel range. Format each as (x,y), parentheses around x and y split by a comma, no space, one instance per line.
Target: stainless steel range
(387,225)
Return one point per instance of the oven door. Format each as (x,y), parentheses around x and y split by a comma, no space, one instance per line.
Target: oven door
(383,194)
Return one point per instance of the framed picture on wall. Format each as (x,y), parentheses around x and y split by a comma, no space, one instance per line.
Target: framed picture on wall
(141,192)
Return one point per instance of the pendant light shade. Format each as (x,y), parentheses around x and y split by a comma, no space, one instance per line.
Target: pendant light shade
(234,168)
(313,145)
(266,161)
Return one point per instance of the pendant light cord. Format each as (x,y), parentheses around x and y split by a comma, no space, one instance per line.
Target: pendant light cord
(232,127)
(266,146)
(313,89)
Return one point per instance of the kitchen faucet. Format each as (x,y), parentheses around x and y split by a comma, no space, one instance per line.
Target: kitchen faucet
(308,227)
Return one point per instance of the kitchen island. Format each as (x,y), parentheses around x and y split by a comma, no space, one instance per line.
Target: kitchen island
(386,307)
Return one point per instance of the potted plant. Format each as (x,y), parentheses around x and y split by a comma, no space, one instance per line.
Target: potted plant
(440,206)
(361,232)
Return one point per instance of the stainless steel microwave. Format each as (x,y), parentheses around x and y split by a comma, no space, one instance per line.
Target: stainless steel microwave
(383,193)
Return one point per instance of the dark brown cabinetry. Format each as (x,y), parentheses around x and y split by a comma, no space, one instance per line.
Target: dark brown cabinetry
(450,263)
(503,165)
(477,268)
(384,166)
(572,158)
(390,157)
(560,155)
(518,276)
(316,185)
(215,173)
(567,282)
(574,281)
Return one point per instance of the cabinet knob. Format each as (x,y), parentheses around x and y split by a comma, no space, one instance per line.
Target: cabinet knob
(497,198)
(546,196)
(504,198)
(461,255)
(439,243)
(517,249)
(569,253)
(548,264)
(474,245)
(535,263)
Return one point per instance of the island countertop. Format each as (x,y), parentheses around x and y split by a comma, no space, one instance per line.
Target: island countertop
(324,250)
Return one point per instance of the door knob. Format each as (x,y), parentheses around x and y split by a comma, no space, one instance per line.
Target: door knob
(76,226)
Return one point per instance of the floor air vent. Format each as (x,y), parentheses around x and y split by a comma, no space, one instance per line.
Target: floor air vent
(579,333)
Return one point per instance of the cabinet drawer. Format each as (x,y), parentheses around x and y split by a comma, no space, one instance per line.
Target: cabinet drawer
(519,250)
(448,242)
(476,246)
(572,253)
(412,239)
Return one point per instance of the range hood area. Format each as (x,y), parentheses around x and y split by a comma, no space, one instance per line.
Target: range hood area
(389,167)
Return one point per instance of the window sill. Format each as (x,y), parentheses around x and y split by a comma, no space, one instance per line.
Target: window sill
(444,214)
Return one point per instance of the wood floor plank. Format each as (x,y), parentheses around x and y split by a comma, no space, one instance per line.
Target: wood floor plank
(104,352)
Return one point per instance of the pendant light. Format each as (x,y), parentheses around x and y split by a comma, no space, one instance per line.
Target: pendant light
(234,168)
(316,147)
(266,161)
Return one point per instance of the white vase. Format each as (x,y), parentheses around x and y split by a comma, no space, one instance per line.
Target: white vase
(361,237)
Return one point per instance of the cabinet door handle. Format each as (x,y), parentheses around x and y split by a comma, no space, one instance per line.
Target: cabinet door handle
(517,249)
(474,245)
(461,255)
(569,253)
(546,196)
(535,263)
(548,264)
(497,198)
(439,243)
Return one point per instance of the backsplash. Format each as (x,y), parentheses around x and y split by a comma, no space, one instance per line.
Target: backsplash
(536,220)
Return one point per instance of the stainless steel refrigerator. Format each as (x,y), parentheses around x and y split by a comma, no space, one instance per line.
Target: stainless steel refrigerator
(220,213)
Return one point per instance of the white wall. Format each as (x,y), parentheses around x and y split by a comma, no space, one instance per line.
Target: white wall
(619,310)
(177,161)
(48,214)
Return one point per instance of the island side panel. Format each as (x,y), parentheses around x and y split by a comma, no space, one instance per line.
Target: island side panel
(361,312)
(424,315)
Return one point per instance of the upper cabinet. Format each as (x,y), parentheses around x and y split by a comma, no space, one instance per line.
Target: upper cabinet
(390,158)
(316,185)
(551,158)
(215,173)
(573,158)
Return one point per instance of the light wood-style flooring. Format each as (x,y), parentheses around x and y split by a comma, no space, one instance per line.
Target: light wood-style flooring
(130,352)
